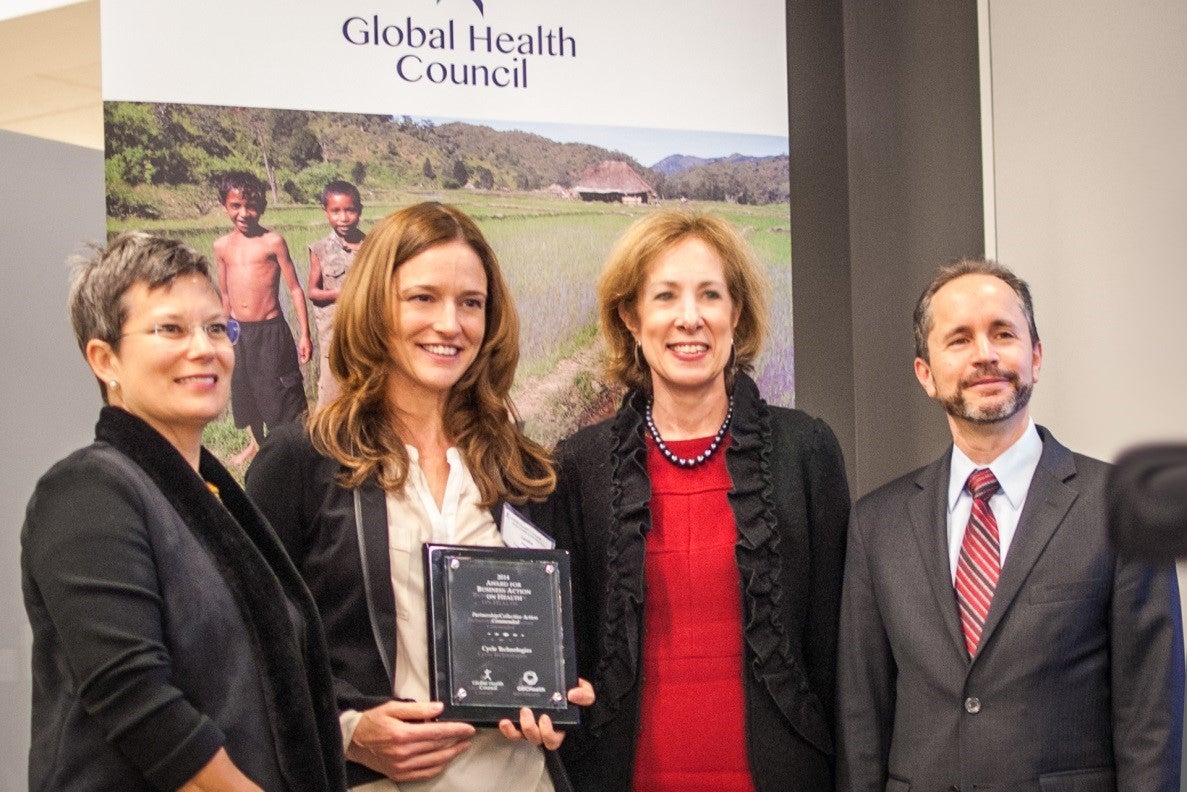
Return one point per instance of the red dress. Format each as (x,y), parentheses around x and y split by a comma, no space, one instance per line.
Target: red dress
(691,729)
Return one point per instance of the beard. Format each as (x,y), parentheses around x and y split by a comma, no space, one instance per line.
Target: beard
(956,406)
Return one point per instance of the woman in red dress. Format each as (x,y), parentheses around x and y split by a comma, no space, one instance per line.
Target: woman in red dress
(708,535)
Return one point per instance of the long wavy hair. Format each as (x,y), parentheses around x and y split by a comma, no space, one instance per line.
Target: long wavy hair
(360,429)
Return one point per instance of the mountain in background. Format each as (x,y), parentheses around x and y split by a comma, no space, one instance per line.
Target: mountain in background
(162,158)
(738,178)
(677,163)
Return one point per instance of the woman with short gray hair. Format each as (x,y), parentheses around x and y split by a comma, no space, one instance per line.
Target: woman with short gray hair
(174,645)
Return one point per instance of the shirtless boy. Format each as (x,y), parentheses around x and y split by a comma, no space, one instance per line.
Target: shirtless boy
(267,388)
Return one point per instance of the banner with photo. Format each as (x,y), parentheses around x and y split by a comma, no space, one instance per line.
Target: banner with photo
(553,124)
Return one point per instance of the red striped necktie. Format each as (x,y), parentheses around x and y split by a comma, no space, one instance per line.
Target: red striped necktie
(979,565)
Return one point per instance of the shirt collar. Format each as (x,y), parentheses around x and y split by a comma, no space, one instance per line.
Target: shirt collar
(452,455)
(1013,468)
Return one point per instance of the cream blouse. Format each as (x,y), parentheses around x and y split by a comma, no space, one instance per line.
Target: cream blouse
(492,762)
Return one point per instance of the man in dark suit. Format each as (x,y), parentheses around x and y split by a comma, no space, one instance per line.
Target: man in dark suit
(991,639)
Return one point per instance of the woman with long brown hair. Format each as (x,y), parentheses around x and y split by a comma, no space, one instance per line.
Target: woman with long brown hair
(419,446)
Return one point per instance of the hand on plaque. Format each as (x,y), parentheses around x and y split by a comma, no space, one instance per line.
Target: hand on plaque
(541,732)
(401,740)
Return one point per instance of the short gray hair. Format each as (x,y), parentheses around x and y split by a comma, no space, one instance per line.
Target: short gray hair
(103,275)
(959,268)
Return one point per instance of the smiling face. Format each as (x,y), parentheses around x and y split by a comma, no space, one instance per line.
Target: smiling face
(245,210)
(343,214)
(684,320)
(982,362)
(439,310)
(176,386)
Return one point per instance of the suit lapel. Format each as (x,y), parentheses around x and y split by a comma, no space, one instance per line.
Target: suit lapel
(928,508)
(1047,503)
(370,510)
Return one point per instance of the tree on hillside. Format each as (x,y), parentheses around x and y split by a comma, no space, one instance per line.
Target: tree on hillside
(327,131)
(304,148)
(483,178)
(461,174)
(256,120)
(132,140)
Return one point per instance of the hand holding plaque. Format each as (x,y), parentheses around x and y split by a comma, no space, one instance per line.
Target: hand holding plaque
(501,632)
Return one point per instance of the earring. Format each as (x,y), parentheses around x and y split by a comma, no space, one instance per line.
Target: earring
(113,384)
(640,361)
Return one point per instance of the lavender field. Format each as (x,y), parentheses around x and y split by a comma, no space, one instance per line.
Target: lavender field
(551,250)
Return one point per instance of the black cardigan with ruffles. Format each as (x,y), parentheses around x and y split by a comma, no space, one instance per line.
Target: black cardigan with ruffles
(791,504)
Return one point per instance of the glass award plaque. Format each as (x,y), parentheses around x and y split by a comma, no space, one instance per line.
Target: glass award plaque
(500,632)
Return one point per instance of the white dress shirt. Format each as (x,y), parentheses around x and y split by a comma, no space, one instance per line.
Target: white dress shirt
(1013,468)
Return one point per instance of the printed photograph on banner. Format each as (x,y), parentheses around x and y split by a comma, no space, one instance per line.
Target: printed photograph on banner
(281,199)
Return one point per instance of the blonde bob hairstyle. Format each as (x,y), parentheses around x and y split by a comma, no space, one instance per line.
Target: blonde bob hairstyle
(361,430)
(626,272)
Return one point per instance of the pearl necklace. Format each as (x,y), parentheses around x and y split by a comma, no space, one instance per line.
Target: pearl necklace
(699,459)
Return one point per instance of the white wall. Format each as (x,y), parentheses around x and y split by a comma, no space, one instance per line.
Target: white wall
(1089,167)
(1087,199)
(15,8)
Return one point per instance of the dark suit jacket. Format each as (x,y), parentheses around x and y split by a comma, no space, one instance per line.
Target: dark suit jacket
(1078,680)
(338,539)
(167,623)
(791,505)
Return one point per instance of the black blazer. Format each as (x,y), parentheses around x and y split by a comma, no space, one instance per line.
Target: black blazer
(791,504)
(167,623)
(1077,683)
(338,539)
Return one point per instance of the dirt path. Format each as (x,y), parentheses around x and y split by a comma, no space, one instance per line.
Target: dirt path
(542,391)
(569,396)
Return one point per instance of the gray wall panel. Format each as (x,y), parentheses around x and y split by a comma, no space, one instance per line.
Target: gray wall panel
(912,100)
(53,199)
(820,218)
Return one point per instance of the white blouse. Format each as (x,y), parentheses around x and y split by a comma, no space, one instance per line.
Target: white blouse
(492,762)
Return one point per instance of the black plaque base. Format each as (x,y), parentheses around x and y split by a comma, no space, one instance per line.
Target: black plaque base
(500,633)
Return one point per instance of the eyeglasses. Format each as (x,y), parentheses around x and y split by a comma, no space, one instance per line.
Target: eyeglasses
(218,332)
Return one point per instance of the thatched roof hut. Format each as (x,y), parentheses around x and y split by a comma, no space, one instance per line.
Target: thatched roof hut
(613,181)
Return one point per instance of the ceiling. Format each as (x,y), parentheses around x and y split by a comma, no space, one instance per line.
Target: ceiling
(49,73)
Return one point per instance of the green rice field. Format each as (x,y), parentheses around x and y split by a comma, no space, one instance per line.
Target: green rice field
(551,250)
